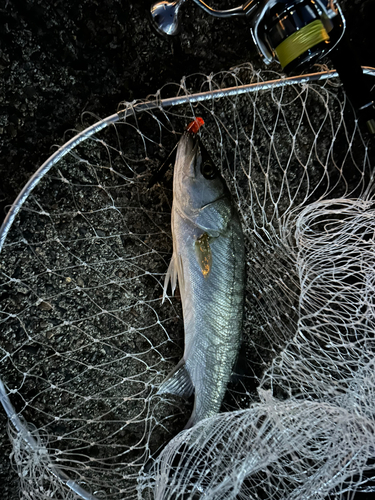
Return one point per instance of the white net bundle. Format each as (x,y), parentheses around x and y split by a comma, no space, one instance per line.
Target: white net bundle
(86,340)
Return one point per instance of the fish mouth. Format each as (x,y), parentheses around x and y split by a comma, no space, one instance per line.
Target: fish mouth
(193,143)
(191,153)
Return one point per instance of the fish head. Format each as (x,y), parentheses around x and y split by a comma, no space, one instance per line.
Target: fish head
(197,180)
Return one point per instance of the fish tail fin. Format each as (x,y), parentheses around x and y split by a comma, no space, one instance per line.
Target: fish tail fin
(172,276)
(178,382)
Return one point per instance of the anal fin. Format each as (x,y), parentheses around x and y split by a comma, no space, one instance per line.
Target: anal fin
(178,382)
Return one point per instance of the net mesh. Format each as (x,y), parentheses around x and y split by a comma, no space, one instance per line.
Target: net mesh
(86,340)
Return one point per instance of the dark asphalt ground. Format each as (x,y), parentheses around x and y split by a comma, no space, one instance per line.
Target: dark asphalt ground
(59,59)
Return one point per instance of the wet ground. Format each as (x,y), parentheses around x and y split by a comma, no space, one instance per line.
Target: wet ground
(59,60)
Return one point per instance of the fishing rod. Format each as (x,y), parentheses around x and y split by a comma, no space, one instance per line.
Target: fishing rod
(294,33)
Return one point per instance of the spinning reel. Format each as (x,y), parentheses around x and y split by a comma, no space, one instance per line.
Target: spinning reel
(295,33)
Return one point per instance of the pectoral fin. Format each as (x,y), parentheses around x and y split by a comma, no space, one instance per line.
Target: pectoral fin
(174,271)
(178,382)
(172,276)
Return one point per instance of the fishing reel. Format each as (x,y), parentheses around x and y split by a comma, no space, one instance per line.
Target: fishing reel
(295,33)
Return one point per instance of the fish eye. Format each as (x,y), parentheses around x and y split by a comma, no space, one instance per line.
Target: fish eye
(208,170)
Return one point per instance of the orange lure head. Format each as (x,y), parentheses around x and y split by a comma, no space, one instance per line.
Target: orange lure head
(195,125)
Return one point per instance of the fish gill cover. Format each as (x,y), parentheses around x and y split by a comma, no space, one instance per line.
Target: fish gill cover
(86,340)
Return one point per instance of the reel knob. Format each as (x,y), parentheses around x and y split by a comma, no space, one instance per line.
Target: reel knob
(165,17)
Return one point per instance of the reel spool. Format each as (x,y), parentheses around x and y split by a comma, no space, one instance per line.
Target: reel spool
(297,33)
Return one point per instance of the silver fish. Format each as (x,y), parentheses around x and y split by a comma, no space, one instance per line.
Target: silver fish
(208,260)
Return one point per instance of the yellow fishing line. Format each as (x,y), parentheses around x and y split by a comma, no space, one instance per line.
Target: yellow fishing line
(300,41)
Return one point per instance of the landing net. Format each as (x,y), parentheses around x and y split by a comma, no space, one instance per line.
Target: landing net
(86,341)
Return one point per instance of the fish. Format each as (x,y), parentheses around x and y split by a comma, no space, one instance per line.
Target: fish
(208,261)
